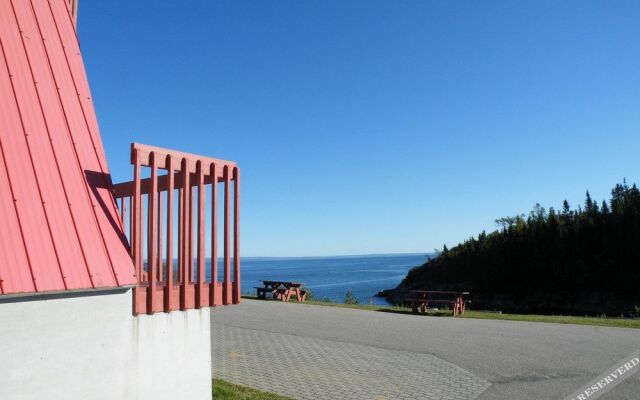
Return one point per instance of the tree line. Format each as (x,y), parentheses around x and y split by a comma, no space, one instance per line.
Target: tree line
(575,261)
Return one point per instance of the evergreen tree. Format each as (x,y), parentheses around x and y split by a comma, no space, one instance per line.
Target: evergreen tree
(577,261)
(588,204)
(566,210)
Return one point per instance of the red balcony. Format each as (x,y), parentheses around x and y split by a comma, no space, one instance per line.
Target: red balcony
(165,217)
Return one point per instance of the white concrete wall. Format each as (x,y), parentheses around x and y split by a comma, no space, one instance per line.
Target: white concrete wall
(173,356)
(91,347)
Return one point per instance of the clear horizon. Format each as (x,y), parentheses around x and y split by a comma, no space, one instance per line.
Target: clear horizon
(375,127)
(337,256)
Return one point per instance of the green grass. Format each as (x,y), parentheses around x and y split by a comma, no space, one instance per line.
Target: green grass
(557,319)
(369,307)
(230,391)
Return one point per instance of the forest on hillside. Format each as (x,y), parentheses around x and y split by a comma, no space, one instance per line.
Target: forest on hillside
(572,261)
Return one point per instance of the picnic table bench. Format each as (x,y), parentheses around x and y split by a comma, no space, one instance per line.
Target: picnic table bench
(420,300)
(281,290)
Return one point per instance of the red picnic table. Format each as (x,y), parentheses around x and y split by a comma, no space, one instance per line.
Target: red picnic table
(422,298)
(281,290)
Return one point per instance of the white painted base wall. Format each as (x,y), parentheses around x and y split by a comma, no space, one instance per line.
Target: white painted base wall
(91,347)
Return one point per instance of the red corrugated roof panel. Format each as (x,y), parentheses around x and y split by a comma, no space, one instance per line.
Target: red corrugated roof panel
(60,227)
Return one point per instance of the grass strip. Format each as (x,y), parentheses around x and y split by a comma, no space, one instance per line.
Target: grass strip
(230,391)
(556,319)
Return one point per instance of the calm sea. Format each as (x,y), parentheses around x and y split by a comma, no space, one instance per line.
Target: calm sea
(332,277)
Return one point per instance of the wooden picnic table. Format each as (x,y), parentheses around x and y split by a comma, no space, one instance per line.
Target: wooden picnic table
(281,290)
(421,298)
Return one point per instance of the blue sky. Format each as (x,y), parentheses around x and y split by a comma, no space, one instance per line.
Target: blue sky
(375,126)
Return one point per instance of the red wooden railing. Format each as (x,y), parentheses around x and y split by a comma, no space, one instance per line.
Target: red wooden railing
(163,283)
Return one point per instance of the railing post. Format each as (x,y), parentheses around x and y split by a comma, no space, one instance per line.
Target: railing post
(213,286)
(200,298)
(236,236)
(227,251)
(168,290)
(136,245)
(184,228)
(123,212)
(180,229)
(130,200)
(152,218)
(191,244)
(190,271)
(159,258)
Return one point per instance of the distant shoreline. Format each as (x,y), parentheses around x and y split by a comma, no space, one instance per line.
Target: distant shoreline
(275,258)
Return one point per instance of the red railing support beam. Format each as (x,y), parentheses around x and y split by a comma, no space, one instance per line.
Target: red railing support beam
(200,288)
(236,236)
(184,270)
(152,218)
(214,291)
(227,243)
(168,289)
(136,236)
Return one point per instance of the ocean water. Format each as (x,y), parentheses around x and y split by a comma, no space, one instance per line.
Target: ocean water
(332,277)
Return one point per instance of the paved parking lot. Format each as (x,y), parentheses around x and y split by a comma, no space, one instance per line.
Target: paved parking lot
(316,352)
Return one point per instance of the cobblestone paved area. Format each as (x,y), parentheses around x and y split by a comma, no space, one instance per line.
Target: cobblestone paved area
(340,353)
(316,369)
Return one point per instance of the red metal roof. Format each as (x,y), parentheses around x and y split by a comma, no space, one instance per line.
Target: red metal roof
(59,227)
